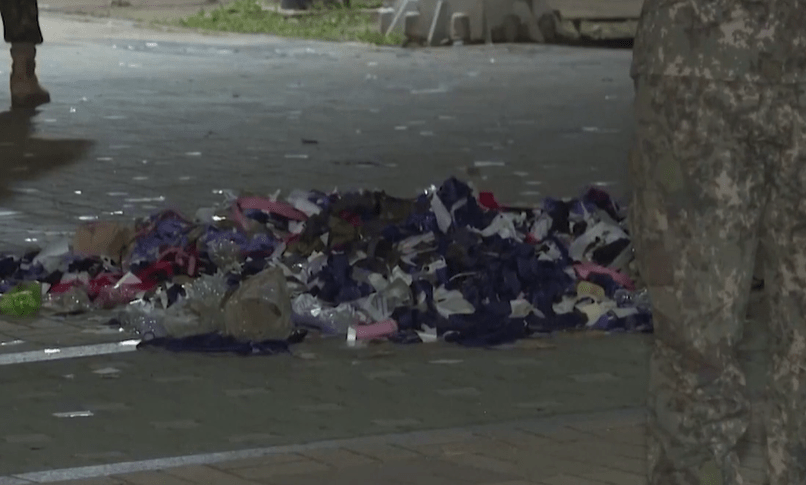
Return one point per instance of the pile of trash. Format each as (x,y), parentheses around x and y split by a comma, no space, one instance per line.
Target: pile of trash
(255,274)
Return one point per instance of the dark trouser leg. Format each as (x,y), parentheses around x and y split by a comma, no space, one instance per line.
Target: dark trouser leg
(21,21)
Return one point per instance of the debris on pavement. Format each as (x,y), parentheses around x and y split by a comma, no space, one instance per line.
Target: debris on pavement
(255,274)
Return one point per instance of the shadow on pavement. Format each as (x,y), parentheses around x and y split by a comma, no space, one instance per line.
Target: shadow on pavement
(25,157)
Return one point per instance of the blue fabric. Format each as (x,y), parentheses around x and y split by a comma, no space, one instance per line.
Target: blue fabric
(168,232)
(216,343)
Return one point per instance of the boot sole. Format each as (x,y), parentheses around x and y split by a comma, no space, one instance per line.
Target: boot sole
(30,101)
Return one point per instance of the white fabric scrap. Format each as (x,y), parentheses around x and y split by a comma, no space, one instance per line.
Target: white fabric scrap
(602,231)
(541,227)
(593,311)
(299,200)
(451,303)
(566,305)
(51,256)
(377,281)
(399,274)
(444,219)
(520,308)
(128,279)
(428,335)
(408,245)
(503,225)
(433,267)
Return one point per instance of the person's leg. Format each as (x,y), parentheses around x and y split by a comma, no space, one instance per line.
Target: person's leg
(698,191)
(784,244)
(21,29)
(21,21)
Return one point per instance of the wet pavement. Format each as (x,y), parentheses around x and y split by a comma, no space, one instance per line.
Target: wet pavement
(171,118)
(148,405)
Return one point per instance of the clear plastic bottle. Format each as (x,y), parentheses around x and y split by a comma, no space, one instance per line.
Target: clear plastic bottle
(638,299)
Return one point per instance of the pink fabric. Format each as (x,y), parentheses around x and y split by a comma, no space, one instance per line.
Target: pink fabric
(375,330)
(259,203)
(584,269)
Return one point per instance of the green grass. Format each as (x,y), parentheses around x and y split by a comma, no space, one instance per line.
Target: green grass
(332,24)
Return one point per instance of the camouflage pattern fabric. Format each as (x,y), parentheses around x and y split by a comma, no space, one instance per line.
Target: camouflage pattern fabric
(20,21)
(759,41)
(718,170)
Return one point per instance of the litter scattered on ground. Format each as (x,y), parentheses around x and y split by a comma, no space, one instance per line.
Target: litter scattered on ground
(256,274)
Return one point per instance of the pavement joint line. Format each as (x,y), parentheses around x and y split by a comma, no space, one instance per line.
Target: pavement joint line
(531,426)
(60,353)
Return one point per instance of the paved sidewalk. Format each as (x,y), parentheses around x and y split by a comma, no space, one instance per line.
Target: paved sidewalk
(605,448)
(162,10)
(176,118)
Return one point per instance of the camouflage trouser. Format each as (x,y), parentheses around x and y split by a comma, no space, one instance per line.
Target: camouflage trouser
(20,21)
(718,171)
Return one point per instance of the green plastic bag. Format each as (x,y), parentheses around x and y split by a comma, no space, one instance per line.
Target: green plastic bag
(22,300)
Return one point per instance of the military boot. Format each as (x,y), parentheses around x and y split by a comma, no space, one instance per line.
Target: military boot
(25,89)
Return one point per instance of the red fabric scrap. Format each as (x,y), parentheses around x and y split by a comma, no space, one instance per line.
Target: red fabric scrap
(487,200)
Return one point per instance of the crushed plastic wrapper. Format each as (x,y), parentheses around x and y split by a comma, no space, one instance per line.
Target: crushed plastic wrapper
(22,300)
(380,306)
(204,298)
(310,312)
(141,318)
(73,300)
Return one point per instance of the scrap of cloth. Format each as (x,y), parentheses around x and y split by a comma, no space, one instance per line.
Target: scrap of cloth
(451,263)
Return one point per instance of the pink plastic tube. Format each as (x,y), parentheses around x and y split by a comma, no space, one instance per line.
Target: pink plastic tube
(371,331)
(584,269)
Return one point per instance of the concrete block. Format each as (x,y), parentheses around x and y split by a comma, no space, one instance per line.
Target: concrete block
(472,20)
(385,17)
(411,24)
(439,30)
(460,27)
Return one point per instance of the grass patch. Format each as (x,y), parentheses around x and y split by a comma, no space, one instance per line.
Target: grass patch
(331,23)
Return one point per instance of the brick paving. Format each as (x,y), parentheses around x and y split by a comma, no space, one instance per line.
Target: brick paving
(594,449)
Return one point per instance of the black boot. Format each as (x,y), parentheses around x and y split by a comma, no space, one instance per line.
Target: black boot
(25,89)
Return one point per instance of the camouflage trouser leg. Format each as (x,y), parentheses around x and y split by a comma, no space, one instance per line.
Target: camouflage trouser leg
(20,21)
(714,166)
(699,188)
(784,266)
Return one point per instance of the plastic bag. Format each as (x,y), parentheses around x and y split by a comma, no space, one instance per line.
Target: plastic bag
(140,317)
(23,300)
(260,309)
(75,299)
(309,311)
(379,306)
(204,298)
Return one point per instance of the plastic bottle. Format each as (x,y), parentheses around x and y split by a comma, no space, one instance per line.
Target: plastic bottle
(638,299)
